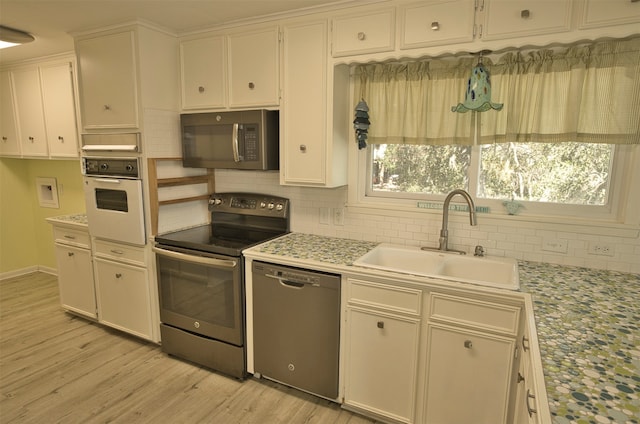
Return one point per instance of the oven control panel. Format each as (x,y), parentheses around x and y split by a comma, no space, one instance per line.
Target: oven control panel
(249,204)
(111,167)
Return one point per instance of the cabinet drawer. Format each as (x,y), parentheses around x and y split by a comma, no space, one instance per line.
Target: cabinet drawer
(363,34)
(383,296)
(475,313)
(522,18)
(436,23)
(71,236)
(120,252)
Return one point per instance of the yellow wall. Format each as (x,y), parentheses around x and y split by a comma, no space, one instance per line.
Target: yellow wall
(26,239)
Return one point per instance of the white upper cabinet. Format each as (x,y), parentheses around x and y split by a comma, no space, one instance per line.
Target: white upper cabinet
(521,18)
(253,68)
(363,33)
(108,80)
(59,109)
(9,145)
(438,22)
(239,70)
(29,111)
(598,13)
(203,73)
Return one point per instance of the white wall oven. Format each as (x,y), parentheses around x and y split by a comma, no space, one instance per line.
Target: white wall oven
(113,197)
(201,279)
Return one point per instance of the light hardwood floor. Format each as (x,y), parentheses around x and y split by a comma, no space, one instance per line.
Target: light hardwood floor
(59,368)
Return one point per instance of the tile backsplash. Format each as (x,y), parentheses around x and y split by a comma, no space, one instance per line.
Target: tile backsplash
(525,240)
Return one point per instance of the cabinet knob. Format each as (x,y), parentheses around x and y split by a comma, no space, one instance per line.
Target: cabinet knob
(380,324)
(4,138)
(362,36)
(61,138)
(31,139)
(525,14)
(303,148)
(251,86)
(196,324)
(520,378)
(70,254)
(200,89)
(468,344)
(118,275)
(435,25)
(107,107)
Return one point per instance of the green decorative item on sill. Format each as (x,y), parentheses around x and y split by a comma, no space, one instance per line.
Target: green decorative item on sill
(512,206)
(478,94)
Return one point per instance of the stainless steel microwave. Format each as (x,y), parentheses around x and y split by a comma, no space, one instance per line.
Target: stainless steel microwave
(246,139)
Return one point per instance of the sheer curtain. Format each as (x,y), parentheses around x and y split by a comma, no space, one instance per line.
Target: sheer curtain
(588,93)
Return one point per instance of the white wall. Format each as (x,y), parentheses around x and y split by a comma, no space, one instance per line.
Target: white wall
(515,238)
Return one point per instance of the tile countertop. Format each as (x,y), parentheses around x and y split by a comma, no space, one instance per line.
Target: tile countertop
(588,324)
(79,219)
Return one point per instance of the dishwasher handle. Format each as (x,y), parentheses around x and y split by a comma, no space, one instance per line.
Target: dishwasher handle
(292,284)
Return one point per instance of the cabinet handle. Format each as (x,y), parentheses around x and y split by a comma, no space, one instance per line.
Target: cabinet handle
(525,343)
(117,252)
(251,86)
(118,275)
(435,25)
(525,14)
(530,410)
(303,148)
(362,36)
(468,344)
(61,138)
(380,324)
(70,254)
(107,107)
(69,237)
(200,89)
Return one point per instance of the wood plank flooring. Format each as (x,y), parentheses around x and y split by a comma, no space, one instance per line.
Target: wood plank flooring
(59,368)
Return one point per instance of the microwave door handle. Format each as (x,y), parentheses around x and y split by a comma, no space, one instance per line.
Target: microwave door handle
(234,142)
(220,263)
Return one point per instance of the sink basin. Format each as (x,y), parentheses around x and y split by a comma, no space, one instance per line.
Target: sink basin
(486,271)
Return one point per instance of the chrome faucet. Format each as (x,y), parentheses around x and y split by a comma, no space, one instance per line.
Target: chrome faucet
(444,232)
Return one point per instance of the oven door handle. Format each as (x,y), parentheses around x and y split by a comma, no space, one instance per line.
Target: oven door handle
(221,263)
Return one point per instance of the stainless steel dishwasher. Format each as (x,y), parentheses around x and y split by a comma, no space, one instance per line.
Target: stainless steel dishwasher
(296,327)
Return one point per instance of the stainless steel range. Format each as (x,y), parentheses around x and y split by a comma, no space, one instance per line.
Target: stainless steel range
(200,279)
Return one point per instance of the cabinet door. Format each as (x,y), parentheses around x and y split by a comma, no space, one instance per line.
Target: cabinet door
(381,363)
(123,297)
(437,23)
(598,13)
(9,144)
(468,376)
(304,112)
(28,107)
(521,18)
(59,109)
(203,73)
(254,69)
(108,81)
(75,280)
(362,34)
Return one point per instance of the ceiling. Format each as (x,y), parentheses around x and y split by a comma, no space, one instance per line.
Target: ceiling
(51,21)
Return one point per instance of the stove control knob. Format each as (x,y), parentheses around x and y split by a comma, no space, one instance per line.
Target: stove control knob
(104,166)
(211,201)
(271,206)
(263,205)
(129,168)
(279,207)
(218,201)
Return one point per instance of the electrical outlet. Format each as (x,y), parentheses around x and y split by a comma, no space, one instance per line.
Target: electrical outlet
(554,245)
(324,216)
(338,216)
(599,248)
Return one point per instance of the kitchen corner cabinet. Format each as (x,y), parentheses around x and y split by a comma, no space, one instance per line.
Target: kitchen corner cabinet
(314,112)
(471,349)
(75,270)
(9,143)
(123,288)
(107,74)
(381,353)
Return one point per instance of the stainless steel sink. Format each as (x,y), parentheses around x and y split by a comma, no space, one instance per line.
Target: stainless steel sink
(486,271)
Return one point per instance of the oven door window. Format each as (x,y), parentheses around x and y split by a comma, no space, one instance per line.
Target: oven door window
(112,200)
(200,298)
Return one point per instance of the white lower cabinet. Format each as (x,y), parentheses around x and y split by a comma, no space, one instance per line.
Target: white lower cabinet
(123,291)
(381,354)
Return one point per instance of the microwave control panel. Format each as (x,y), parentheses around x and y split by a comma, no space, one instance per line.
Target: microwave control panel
(251,142)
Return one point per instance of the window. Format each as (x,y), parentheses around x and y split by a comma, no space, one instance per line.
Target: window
(560,145)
